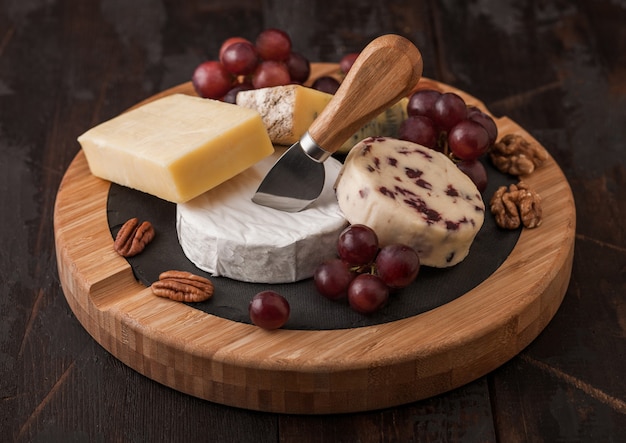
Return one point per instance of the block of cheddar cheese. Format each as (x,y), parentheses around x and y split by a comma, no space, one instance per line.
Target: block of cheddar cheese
(176,147)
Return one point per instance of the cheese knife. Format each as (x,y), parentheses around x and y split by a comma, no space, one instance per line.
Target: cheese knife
(386,70)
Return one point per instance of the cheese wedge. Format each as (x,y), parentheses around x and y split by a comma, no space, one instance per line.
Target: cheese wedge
(176,147)
(288,111)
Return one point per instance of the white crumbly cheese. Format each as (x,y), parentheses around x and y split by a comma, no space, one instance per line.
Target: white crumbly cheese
(412,195)
(287,111)
(223,232)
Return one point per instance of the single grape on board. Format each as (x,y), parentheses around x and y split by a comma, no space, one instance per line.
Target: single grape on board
(269,310)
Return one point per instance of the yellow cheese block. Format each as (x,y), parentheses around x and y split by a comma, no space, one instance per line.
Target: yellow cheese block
(177,147)
(288,111)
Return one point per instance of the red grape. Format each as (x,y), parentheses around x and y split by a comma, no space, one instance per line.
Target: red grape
(465,131)
(475,170)
(273,44)
(357,245)
(267,63)
(299,67)
(422,102)
(449,109)
(211,80)
(270,73)
(332,279)
(231,95)
(269,310)
(367,293)
(229,41)
(468,140)
(326,84)
(240,58)
(397,265)
(485,120)
(347,61)
(418,129)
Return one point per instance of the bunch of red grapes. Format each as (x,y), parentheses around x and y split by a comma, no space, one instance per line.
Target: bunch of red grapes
(444,122)
(364,273)
(242,65)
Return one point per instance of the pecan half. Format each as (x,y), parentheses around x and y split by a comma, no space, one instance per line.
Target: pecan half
(183,286)
(515,155)
(516,204)
(133,237)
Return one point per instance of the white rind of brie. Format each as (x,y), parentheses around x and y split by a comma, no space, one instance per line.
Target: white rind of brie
(226,234)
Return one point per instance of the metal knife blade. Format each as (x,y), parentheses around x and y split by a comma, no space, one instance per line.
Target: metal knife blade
(295,180)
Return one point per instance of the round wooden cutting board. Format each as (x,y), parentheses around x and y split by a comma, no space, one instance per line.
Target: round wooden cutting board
(313,372)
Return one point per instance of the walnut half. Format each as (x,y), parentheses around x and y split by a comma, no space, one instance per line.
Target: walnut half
(516,204)
(515,155)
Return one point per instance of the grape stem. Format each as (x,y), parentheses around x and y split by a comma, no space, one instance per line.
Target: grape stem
(442,144)
(363,269)
(443,147)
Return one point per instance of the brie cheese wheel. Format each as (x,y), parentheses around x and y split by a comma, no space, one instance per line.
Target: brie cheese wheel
(224,233)
(412,195)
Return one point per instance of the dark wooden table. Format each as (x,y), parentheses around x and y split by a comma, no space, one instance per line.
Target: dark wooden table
(558,68)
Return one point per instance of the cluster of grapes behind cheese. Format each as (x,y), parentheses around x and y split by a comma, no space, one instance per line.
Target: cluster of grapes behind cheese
(444,122)
(243,65)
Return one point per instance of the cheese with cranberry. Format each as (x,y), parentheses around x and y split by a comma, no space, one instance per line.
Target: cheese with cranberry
(224,233)
(412,195)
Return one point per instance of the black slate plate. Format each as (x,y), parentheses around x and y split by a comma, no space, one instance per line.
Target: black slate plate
(309,310)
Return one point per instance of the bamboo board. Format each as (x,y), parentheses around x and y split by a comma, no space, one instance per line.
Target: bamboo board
(312,372)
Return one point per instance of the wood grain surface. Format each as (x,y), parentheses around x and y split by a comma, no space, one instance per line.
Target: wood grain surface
(556,68)
(313,372)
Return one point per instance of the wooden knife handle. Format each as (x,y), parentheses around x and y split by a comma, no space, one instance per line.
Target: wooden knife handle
(385,71)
